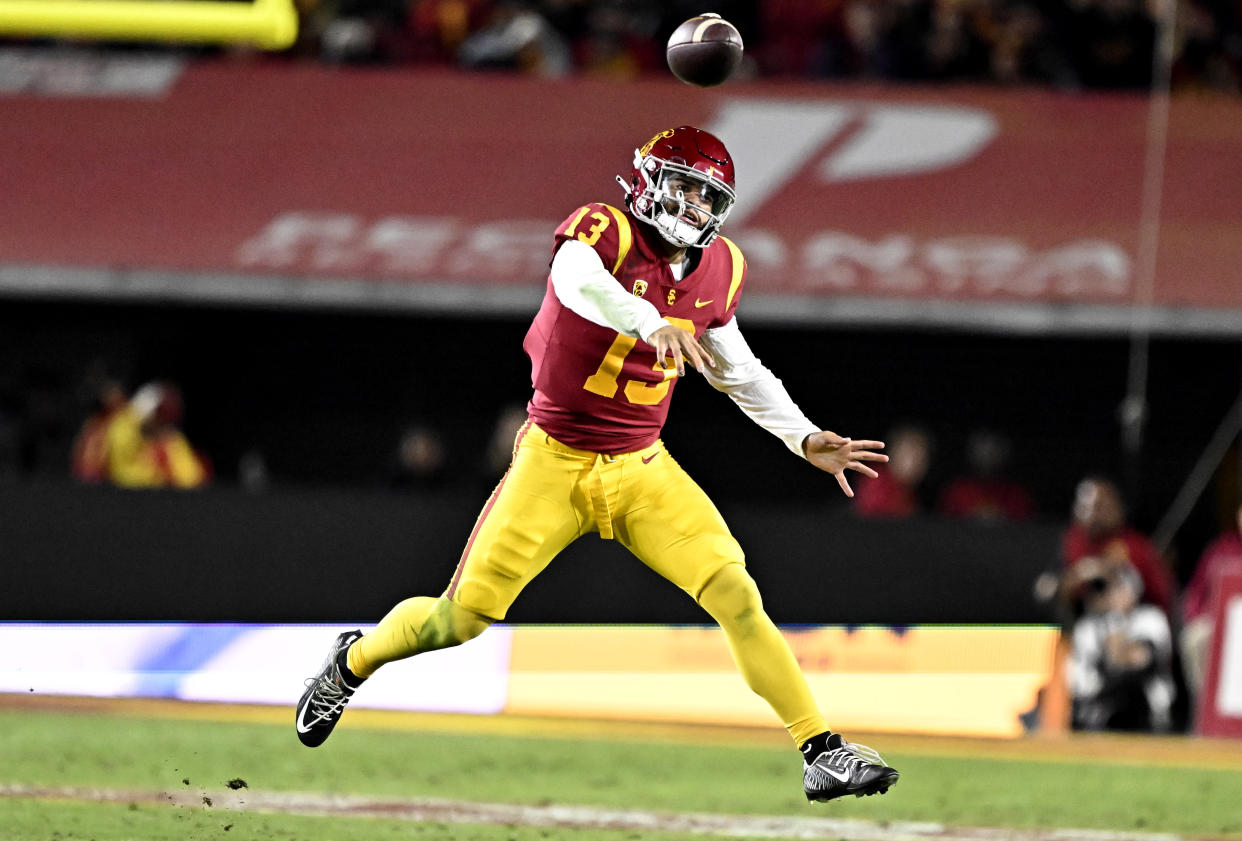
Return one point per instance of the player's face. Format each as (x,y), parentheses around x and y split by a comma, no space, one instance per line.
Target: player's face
(699,198)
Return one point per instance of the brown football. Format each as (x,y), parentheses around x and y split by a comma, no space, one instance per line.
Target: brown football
(704,51)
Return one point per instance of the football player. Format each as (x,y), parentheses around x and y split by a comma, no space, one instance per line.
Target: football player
(633,297)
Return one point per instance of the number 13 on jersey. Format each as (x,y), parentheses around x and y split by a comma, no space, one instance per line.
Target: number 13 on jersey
(604,381)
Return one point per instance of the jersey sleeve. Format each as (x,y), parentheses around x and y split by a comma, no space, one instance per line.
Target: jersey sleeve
(754,388)
(601,227)
(737,282)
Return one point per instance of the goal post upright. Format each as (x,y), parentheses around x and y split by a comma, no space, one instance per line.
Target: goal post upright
(267,24)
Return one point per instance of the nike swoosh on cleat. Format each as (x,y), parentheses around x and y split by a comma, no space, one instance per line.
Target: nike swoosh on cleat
(302,726)
(842,777)
(700,304)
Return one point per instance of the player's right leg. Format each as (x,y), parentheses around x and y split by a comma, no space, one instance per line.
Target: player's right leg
(530,517)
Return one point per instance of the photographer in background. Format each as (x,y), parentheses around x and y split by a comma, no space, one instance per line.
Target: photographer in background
(1120,669)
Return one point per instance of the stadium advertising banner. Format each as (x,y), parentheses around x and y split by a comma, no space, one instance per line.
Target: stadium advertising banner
(295,185)
(973,681)
(976,681)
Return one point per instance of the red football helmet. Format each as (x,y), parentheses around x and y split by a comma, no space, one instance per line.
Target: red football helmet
(672,162)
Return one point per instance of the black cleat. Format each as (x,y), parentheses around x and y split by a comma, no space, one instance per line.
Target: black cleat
(846,769)
(325,697)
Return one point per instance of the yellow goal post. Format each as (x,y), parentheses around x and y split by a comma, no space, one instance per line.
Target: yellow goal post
(267,24)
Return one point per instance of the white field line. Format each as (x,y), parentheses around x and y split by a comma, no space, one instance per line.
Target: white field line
(435,810)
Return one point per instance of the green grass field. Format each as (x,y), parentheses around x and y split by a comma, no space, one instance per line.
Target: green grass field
(168,776)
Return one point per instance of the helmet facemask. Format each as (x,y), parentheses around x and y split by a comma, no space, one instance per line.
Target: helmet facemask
(663,202)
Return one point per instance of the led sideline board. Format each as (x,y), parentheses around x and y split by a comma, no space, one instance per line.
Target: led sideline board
(969,681)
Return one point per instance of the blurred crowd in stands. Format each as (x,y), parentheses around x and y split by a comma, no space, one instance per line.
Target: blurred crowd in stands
(1070,44)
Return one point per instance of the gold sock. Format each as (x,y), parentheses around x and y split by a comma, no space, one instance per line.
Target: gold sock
(762,654)
(412,627)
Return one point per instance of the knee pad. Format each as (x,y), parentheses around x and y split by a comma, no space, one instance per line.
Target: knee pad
(450,624)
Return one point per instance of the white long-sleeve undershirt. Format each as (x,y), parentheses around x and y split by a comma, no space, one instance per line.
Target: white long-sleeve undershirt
(583,284)
(586,287)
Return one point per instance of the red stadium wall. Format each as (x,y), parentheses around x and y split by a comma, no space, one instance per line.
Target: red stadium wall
(961,196)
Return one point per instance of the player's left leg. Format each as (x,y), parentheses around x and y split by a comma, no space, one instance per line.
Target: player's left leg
(762,653)
(673,527)
(831,766)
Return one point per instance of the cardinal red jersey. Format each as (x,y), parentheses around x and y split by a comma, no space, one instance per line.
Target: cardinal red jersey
(600,390)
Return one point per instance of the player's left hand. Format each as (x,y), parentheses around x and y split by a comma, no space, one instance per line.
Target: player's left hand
(833,454)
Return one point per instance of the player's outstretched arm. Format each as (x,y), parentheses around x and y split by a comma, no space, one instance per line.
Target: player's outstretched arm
(834,454)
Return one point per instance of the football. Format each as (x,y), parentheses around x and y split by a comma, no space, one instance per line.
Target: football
(704,51)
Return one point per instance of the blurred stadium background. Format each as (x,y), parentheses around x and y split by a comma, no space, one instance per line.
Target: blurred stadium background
(1018,217)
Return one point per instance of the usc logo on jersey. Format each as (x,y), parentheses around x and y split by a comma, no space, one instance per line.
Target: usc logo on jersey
(672,297)
(640,288)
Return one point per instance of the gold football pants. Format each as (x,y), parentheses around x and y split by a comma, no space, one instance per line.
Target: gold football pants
(553,494)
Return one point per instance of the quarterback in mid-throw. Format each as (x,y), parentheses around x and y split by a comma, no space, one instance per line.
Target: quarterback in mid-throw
(634,295)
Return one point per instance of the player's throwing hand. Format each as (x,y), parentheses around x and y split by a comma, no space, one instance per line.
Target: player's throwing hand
(833,454)
(678,343)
